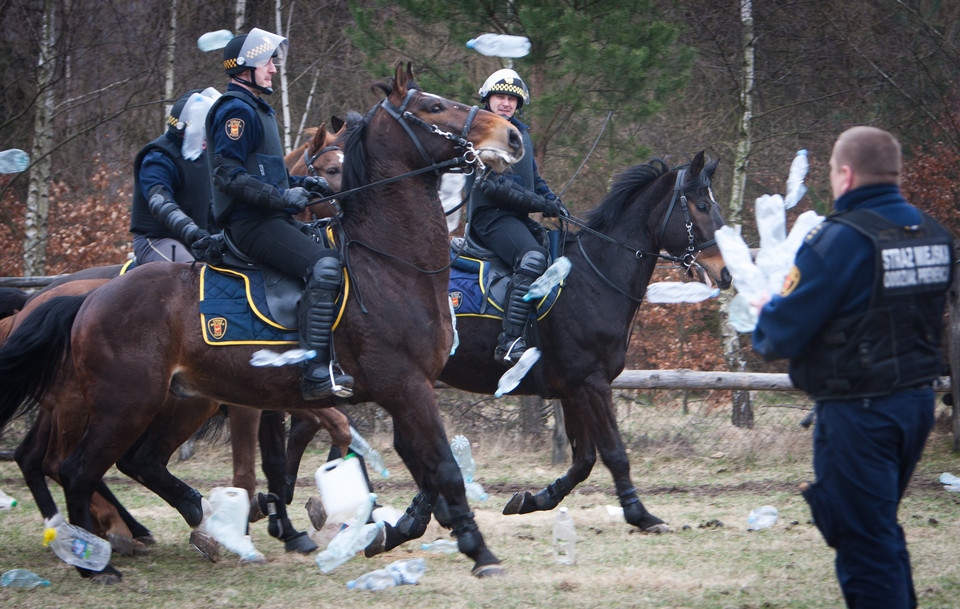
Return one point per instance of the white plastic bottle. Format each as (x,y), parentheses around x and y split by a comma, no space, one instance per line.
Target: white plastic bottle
(795,186)
(77,546)
(441,546)
(6,501)
(512,377)
(397,573)
(373,458)
(14,161)
(266,357)
(228,523)
(21,578)
(680,291)
(564,538)
(356,536)
(552,277)
(500,45)
(462,452)
(212,41)
(761,518)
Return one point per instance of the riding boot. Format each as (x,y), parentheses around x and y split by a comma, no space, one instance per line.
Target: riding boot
(510,343)
(322,377)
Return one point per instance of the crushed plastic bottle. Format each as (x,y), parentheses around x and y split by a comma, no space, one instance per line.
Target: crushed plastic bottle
(950,483)
(512,377)
(21,578)
(397,573)
(795,187)
(500,45)
(355,536)
(761,518)
(194,114)
(441,546)
(680,291)
(266,357)
(77,546)
(564,538)
(211,41)
(373,458)
(453,321)
(14,161)
(551,278)
(6,502)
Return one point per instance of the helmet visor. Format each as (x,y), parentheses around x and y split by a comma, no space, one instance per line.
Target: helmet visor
(259,47)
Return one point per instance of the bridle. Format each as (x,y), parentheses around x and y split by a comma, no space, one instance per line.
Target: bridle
(693,248)
(309,160)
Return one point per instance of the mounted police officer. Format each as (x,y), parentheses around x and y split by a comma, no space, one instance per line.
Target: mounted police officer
(860,317)
(498,213)
(254,200)
(171,195)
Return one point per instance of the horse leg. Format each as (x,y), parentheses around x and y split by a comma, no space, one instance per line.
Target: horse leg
(420,440)
(584,457)
(302,431)
(273,461)
(29,456)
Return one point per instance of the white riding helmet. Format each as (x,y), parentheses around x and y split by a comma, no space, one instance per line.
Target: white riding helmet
(508,82)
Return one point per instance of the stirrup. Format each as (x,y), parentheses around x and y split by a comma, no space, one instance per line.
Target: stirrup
(510,353)
(336,383)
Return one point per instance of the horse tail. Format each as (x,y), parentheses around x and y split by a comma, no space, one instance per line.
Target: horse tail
(34,354)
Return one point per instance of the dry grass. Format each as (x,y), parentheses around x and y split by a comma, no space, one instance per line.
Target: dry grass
(711,561)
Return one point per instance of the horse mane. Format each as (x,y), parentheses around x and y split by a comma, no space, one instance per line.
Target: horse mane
(625,186)
(355,153)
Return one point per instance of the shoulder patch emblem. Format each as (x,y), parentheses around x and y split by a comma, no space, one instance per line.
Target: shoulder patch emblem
(790,281)
(217,327)
(234,128)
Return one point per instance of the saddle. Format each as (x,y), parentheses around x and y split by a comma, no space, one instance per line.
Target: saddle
(479,279)
(245,302)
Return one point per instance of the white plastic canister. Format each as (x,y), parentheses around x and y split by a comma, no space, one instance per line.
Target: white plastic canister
(343,488)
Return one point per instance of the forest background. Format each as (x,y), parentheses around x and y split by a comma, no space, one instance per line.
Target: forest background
(88,82)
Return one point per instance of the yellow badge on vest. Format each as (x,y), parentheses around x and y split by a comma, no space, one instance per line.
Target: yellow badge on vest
(790,281)
(234,128)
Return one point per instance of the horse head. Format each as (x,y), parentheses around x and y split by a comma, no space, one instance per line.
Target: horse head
(691,219)
(445,128)
(320,156)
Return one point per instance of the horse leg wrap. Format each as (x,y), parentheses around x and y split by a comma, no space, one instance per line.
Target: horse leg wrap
(468,535)
(637,515)
(442,512)
(411,525)
(547,499)
(190,508)
(289,483)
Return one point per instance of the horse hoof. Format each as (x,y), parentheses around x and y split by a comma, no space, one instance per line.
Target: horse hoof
(300,542)
(255,512)
(122,544)
(378,545)
(482,571)
(106,577)
(140,548)
(206,545)
(658,529)
(254,559)
(147,541)
(318,516)
(513,506)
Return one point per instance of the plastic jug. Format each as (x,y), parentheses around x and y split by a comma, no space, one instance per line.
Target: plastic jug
(342,486)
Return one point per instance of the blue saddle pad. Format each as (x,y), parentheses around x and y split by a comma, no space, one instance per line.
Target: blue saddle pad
(478,288)
(233,310)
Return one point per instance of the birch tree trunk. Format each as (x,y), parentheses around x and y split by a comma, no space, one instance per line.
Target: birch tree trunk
(284,96)
(168,85)
(742,415)
(239,16)
(38,191)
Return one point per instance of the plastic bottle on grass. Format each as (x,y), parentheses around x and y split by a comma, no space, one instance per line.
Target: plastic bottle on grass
(761,518)
(500,45)
(564,538)
(77,546)
(373,458)
(21,578)
(356,536)
(6,501)
(441,546)
(397,573)
(462,452)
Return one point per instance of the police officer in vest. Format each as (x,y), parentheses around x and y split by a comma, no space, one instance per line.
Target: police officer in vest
(860,318)
(171,196)
(498,213)
(255,199)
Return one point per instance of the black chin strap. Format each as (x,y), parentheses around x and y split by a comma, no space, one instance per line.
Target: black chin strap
(264,90)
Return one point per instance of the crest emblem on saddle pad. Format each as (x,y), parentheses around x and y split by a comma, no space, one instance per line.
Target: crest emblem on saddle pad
(456,299)
(234,128)
(217,326)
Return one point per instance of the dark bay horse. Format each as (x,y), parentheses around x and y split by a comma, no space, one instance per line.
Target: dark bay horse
(136,339)
(649,208)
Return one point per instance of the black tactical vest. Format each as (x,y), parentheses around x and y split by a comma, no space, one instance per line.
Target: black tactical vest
(895,343)
(193,197)
(266,162)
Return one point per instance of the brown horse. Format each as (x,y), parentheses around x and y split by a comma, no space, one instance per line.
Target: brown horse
(583,339)
(394,334)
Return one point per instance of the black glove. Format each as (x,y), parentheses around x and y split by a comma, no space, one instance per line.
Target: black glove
(554,208)
(194,234)
(207,249)
(318,186)
(295,199)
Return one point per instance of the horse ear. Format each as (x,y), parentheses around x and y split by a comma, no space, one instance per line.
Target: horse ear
(410,77)
(696,165)
(399,89)
(318,137)
(336,124)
